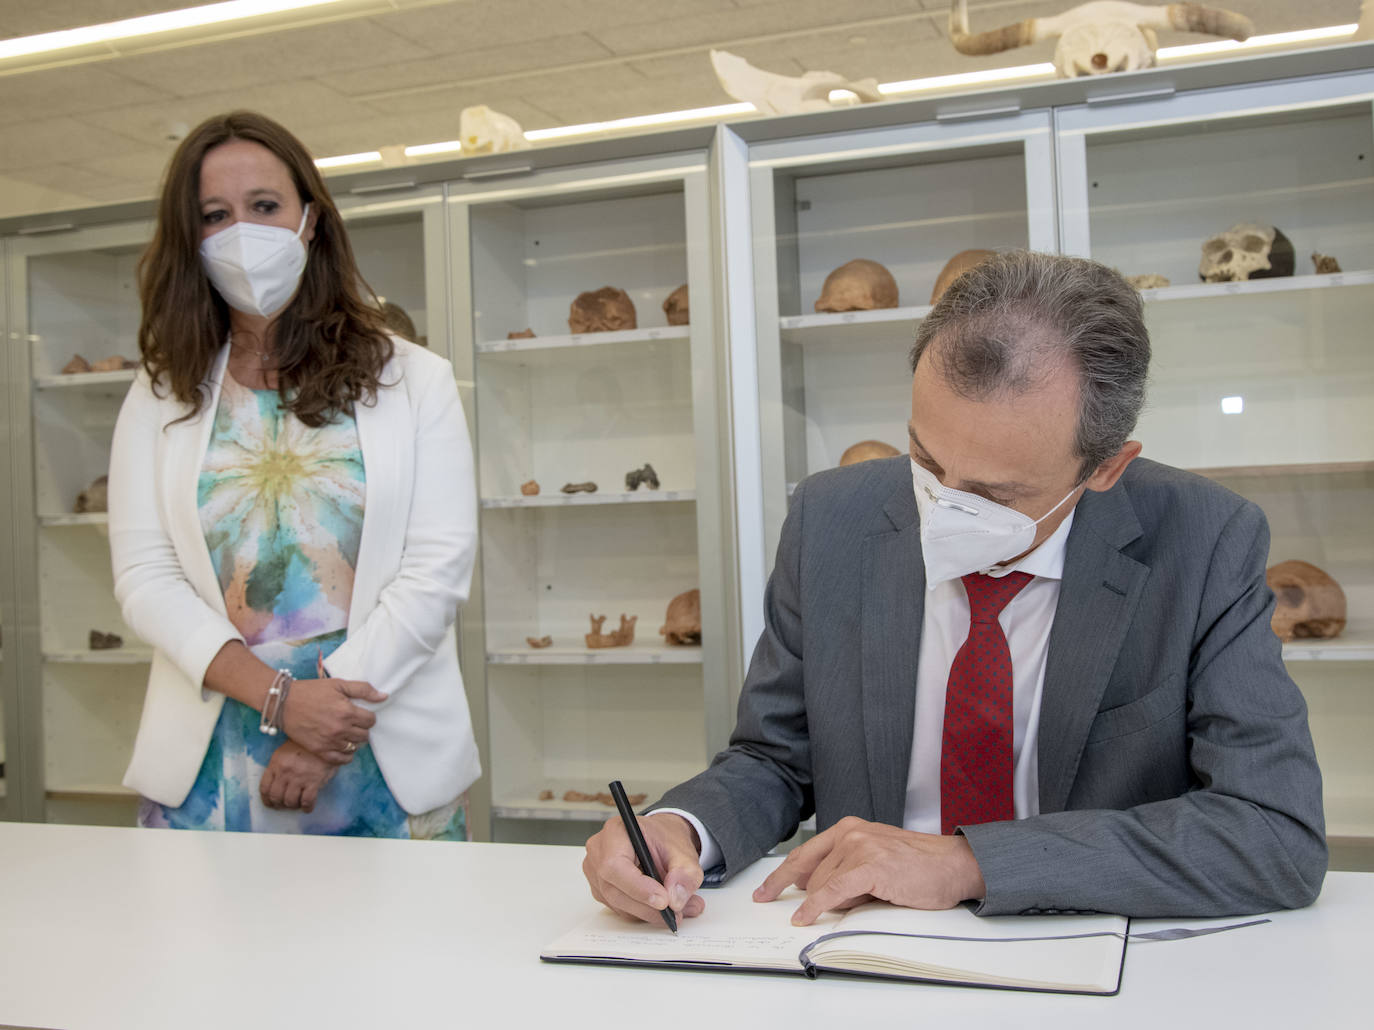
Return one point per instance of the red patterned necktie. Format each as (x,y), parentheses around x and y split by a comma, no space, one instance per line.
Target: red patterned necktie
(975,755)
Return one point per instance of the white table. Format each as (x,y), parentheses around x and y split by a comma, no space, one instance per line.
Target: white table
(158,928)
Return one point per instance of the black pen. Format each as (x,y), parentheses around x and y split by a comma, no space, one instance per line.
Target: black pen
(646,860)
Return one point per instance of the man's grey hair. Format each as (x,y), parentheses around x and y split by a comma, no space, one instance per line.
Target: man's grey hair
(1007,324)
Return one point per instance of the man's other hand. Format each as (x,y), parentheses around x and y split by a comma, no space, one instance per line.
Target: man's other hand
(617,882)
(856,861)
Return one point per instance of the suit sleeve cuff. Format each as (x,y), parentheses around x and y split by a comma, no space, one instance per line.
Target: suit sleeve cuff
(710,850)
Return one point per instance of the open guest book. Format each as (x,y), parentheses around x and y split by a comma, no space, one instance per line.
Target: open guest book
(1074,954)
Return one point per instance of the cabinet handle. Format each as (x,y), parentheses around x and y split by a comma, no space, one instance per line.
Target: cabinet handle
(39,230)
(982,112)
(1121,98)
(383,187)
(494,173)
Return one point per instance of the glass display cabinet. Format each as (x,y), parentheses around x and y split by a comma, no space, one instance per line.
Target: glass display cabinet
(1264,384)
(75,305)
(909,198)
(598,476)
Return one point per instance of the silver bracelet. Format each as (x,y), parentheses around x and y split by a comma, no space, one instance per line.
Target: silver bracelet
(275,706)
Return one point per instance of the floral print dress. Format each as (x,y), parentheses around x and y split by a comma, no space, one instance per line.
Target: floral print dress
(281,505)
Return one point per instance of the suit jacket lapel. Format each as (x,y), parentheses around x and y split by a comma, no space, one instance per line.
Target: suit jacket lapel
(894,582)
(1097,600)
(386,439)
(186,443)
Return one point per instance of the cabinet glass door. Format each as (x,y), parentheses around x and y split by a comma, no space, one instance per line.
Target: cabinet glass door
(597,481)
(833,367)
(1262,382)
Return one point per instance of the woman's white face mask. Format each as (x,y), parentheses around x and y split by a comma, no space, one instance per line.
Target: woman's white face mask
(256,268)
(963,533)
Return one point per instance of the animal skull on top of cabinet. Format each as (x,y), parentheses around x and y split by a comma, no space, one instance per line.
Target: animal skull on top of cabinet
(1100,37)
(484,131)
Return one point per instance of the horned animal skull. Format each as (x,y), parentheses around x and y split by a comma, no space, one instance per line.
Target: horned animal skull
(1100,37)
(858,285)
(1310,603)
(1246,251)
(771,93)
(484,131)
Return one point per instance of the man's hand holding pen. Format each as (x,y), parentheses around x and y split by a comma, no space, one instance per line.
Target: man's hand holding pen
(617,882)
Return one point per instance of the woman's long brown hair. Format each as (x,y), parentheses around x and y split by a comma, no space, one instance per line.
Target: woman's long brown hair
(330,344)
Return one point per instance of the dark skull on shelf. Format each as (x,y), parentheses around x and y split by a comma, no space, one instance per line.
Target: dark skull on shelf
(677,306)
(1246,251)
(1310,603)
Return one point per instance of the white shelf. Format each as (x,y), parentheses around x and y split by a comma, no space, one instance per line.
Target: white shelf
(84,380)
(530,807)
(91,791)
(113,656)
(554,499)
(580,654)
(534,343)
(96,518)
(1355,644)
(1350,818)
(1252,287)
(853,326)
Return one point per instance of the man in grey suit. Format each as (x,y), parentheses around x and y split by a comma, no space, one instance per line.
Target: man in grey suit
(1130,741)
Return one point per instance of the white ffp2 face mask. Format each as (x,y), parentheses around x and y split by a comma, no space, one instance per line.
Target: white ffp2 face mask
(256,268)
(963,533)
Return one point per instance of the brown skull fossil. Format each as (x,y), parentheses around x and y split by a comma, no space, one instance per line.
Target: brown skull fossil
(859,285)
(530,487)
(867,450)
(76,366)
(682,624)
(957,266)
(95,497)
(395,318)
(676,307)
(1310,603)
(602,311)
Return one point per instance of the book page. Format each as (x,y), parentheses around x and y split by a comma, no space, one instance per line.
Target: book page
(1068,953)
(734,930)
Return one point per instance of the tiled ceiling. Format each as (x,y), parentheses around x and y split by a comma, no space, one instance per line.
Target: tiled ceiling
(101,131)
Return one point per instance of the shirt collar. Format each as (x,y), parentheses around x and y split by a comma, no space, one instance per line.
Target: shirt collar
(1047,560)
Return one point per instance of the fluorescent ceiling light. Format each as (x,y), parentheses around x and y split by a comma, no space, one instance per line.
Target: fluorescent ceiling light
(1222,46)
(641,121)
(367,157)
(1020,71)
(1232,405)
(150,24)
(447,147)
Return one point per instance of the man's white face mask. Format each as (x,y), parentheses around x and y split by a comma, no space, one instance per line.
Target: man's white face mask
(963,533)
(255,268)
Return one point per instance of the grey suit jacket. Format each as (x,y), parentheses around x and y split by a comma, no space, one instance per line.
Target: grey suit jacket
(1177,775)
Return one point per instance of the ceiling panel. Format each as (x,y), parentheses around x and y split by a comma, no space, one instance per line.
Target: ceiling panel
(281,56)
(530,57)
(294,104)
(67,91)
(55,140)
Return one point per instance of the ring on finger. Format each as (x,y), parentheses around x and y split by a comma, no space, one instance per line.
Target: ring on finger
(349,747)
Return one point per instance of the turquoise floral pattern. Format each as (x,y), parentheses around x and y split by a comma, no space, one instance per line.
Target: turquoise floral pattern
(281,506)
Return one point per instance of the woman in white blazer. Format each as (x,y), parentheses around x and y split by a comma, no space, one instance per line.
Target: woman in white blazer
(292,518)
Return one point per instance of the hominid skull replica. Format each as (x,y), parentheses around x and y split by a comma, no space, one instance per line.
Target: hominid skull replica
(1098,38)
(676,307)
(682,624)
(858,285)
(1310,603)
(957,266)
(602,311)
(94,498)
(1246,251)
(867,450)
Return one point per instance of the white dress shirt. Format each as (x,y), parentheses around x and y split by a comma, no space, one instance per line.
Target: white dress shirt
(1026,621)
